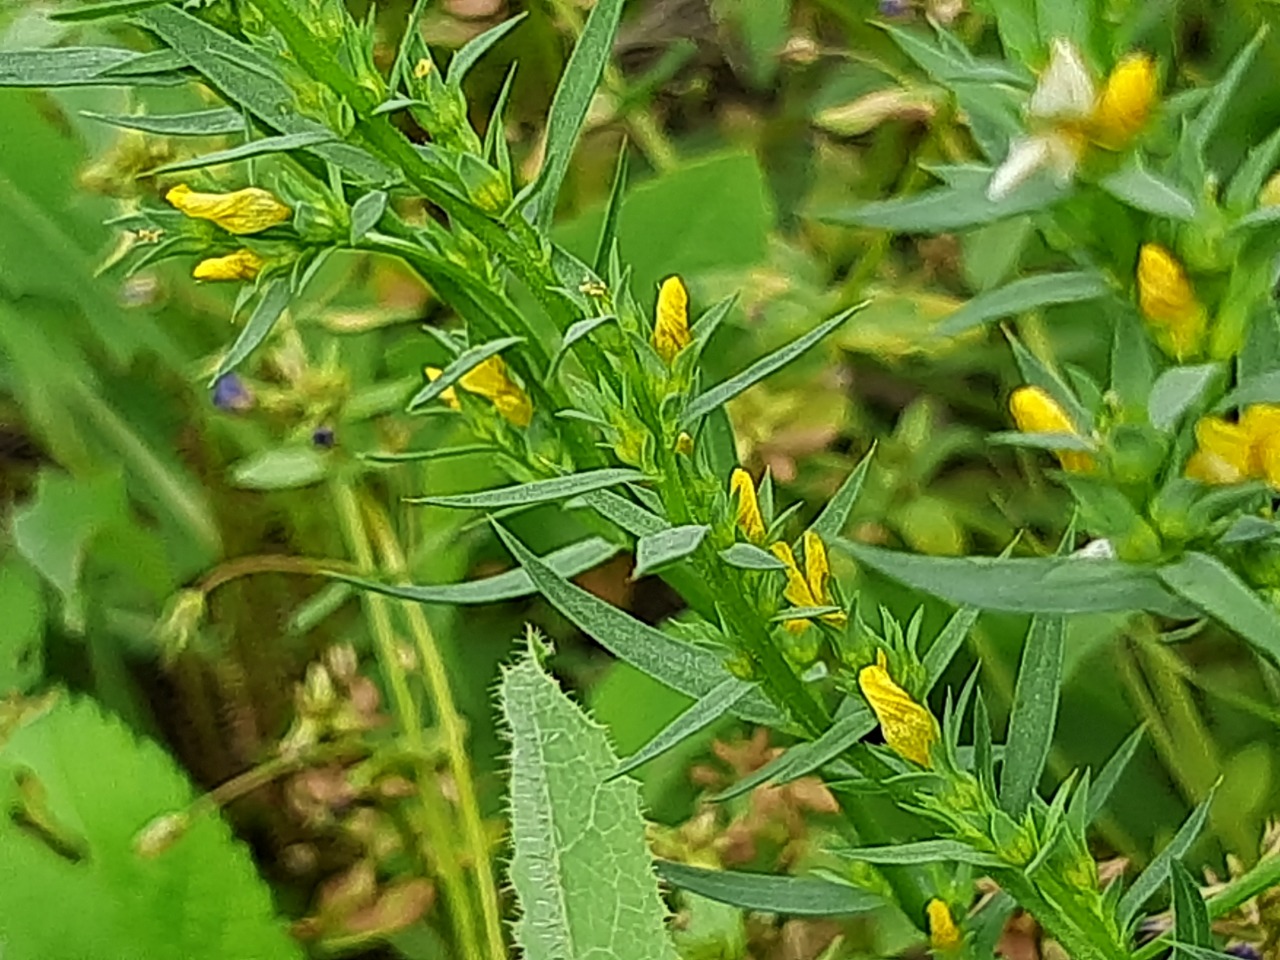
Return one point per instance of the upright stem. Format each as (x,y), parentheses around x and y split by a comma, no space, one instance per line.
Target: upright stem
(452,729)
(435,814)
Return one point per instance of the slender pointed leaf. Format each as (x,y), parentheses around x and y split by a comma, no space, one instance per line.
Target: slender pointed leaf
(923,851)
(1178,390)
(1111,773)
(365,214)
(612,211)
(624,514)
(709,708)
(1157,872)
(202,123)
(76,67)
(274,302)
(747,556)
(254,148)
(943,649)
(1143,190)
(477,47)
(1206,121)
(1034,715)
(435,453)
(667,546)
(467,361)
(1027,293)
(835,515)
(1242,192)
(538,491)
(101,11)
(1190,914)
(770,893)
(1209,584)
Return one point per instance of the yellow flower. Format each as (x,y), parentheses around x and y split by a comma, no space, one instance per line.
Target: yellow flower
(1126,101)
(750,522)
(943,932)
(1034,411)
(671,328)
(684,445)
(1235,452)
(807,589)
(909,729)
(240,265)
(491,381)
(1169,303)
(250,210)
(448,395)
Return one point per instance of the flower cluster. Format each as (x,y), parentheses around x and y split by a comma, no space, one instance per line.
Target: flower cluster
(241,212)
(1248,449)
(490,379)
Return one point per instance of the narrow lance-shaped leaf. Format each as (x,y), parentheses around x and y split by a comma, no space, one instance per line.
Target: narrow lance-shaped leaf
(1206,121)
(1111,773)
(667,546)
(1157,872)
(923,851)
(539,491)
(75,67)
(747,556)
(1178,390)
(1145,191)
(202,123)
(1190,914)
(1208,583)
(612,212)
(101,11)
(477,47)
(1028,293)
(768,893)
(275,299)
(947,644)
(580,866)
(835,515)
(365,214)
(1034,715)
(722,393)
(254,148)
(705,711)
(459,368)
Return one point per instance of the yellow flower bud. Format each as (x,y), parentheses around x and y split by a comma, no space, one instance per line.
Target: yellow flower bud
(1235,452)
(750,522)
(448,395)
(909,728)
(807,589)
(943,932)
(1269,195)
(1035,411)
(684,445)
(250,210)
(240,265)
(671,328)
(1126,101)
(1169,303)
(422,69)
(491,381)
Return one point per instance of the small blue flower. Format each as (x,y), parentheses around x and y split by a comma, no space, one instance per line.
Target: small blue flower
(231,394)
(323,437)
(1245,951)
(895,8)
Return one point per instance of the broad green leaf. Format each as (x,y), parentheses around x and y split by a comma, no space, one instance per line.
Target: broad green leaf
(569,106)
(835,515)
(94,787)
(254,148)
(947,208)
(1242,192)
(1209,584)
(1178,390)
(1026,584)
(580,865)
(459,368)
(923,851)
(365,214)
(274,302)
(282,468)
(693,671)
(951,64)
(538,491)
(1028,293)
(709,708)
(722,393)
(612,211)
(1206,121)
(1190,914)
(75,67)
(477,47)
(947,644)
(1034,714)
(202,123)
(747,556)
(667,546)
(565,562)
(100,11)
(624,514)
(1157,871)
(1143,190)
(1111,773)
(770,893)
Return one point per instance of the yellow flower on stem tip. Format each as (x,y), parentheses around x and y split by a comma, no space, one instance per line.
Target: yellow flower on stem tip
(684,445)
(1168,302)
(491,381)
(250,210)
(943,932)
(671,326)
(1235,452)
(448,395)
(750,522)
(1125,102)
(909,728)
(1035,411)
(807,589)
(240,265)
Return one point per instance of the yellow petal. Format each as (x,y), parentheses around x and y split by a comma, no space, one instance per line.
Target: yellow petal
(671,328)
(1126,101)
(1035,411)
(1169,303)
(448,395)
(818,574)
(490,380)
(943,932)
(250,210)
(797,590)
(240,265)
(909,728)
(684,445)
(750,522)
(1224,454)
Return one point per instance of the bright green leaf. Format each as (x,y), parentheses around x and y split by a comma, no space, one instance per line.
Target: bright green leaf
(770,893)
(667,546)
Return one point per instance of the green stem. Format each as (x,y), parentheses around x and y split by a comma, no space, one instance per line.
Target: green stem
(434,812)
(452,727)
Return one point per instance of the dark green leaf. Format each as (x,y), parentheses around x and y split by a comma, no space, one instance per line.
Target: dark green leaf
(612,211)
(275,299)
(1111,773)
(941,652)
(1209,584)
(709,708)
(835,515)
(477,47)
(566,562)
(569,106)
(1026,584)
(538,491)
(1034,714)
(747,556)
(691,670)
(1019,33)
(201,123)
(1157,872)
(667,546)
(1132,370)
(1028,293)
(1190,915)
(365,214)
(1242,192)
(1176,391)
(284,468)
(790,896)
(1206,121)
(722,393)
(1145,191)
(254,148)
